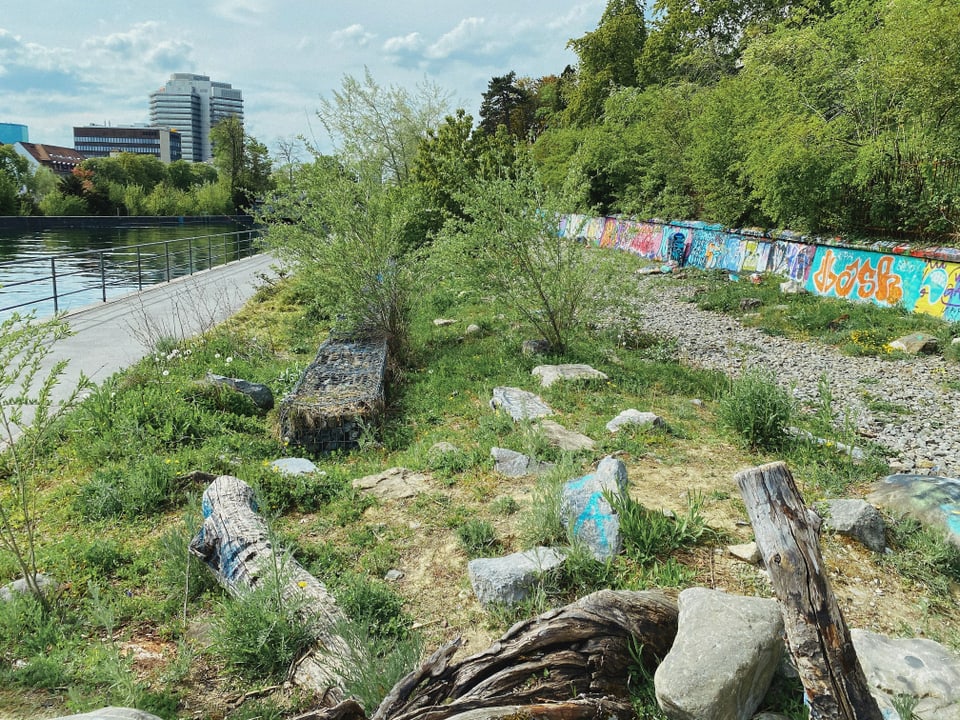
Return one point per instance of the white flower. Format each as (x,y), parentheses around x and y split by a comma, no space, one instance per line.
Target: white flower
(217,355)
(229,360)
(166,372)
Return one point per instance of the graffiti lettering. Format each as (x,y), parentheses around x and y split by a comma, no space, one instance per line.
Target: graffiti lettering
(879,283)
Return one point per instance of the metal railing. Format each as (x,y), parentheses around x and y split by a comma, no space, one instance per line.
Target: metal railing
(93,274)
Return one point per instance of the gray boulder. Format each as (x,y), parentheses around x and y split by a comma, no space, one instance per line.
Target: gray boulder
(111,713)
(293,466)
(514,464)
(261,395)
(723,659)
(585,508)
(549,374)
(635,417)
(393,484)
(915,343)
(535,347)
(519,404)
(919,668)
(568,440)
(929,498)
(857,519)
(19,587)
(508,580)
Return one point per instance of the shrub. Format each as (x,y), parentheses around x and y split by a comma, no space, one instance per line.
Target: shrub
(757,409)
(374,606)
(650,535)
(477,538)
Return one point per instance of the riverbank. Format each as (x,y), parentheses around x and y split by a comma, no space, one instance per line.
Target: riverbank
(40,223)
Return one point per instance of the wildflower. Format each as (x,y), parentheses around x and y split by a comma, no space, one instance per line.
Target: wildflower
(229,359)
(217,355)
(166,372)
(302,583)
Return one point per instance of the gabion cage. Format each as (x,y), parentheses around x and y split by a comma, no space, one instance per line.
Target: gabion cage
(340,394)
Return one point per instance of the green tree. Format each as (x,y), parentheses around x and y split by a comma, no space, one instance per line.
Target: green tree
(14,175)
(243,162)
(506,103)
(607,59)
(510,246)
(378,129)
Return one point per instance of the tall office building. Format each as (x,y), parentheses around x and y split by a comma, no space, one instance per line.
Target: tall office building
(192,104)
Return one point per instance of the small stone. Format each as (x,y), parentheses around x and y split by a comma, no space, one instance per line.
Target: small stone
(750,303)
(519,404)
(857,519)
(635,417)
(508,580)
(393,575)
(915,343)
(535,347)
(260,394)
(514,464)
(443,322)
(748,552)
(20,587)
(443,448)
(293,466)
(472,329)
(565,439)
(549,374)
(393,484)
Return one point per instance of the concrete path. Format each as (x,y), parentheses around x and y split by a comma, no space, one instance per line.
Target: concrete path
(111,336)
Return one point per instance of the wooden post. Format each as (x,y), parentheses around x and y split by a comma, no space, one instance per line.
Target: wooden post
(817,635)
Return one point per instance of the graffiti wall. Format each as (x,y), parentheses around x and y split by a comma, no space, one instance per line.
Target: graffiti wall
(927,281)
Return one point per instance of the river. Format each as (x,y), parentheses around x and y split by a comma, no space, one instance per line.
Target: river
(83,266)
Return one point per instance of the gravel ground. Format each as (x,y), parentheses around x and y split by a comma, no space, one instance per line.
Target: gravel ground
(915,411)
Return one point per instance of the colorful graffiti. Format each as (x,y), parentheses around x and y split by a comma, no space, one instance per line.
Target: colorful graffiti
(863,275)
(939,293)
(927,283)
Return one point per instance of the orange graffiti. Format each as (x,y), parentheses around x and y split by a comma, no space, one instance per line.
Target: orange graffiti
(881,284)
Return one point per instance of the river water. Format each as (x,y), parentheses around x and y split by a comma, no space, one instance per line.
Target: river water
(83,266)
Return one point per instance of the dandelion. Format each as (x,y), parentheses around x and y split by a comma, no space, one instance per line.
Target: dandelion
(166,372)
(216,355)
(229,359)
(302,583)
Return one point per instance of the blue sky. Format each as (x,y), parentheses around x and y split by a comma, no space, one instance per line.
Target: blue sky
(66,63)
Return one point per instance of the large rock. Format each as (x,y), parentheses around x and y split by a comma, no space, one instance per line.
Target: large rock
(857,519)
(585,509)
(915,343)
(934,501)
(549,374)
(393,484)
(632,416)
(514,464)
(508,580)
(723,659)
(920,668)
(260,394)
(567,440)
(519,404)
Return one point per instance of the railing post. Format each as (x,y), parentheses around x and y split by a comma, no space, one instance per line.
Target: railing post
(209,252)
(139,271)
(53,277)
(166,251)
(190,254)
(103,278)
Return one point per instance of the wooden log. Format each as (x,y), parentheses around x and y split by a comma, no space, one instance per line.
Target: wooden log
(817,635)
(582,650)
(235,542)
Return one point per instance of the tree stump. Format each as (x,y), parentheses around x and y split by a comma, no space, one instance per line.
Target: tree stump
(817,635)
(235,543)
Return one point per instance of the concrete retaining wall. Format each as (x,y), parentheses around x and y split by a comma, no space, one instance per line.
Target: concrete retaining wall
(920,280)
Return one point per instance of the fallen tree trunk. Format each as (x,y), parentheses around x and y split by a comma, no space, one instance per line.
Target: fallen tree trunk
(235,543)
(583,650)
(817,635)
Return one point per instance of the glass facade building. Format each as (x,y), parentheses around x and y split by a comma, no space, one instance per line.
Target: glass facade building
(193,104)
(103,141)
(11,133)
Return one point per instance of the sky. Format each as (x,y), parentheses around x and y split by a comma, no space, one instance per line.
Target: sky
(65,63)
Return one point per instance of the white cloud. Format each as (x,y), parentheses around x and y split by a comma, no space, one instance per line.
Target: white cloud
(464,36)
(404,44)
(355,35)
(144,49)
(246,12)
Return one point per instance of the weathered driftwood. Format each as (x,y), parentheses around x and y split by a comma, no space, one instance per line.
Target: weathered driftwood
(817,635)
(581,651)
(235,543)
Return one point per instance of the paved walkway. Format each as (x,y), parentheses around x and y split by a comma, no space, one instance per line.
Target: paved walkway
(111,336)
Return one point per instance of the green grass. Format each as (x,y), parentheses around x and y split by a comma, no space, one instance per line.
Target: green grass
(118,504)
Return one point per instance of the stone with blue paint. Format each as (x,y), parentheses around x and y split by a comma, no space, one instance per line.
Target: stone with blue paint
(931,499)
(585,509)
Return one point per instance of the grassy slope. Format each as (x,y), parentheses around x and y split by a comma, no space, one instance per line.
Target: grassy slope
(116,505)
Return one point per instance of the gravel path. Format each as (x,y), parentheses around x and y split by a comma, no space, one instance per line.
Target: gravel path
(919,427)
